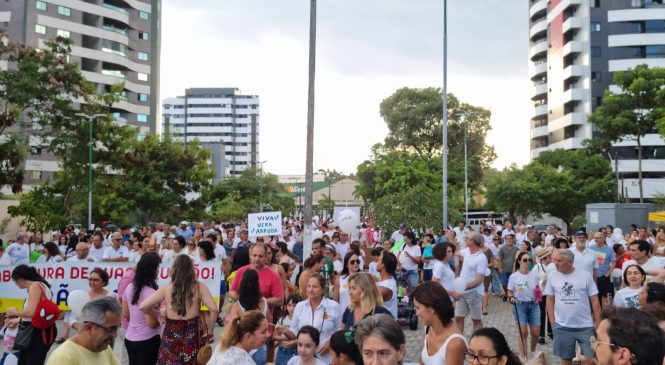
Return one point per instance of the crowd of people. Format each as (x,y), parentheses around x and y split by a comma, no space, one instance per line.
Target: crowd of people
(595,294)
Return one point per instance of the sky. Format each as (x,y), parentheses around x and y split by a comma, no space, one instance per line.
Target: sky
(366,50)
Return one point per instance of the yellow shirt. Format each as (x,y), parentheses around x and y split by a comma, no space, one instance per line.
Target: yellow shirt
(70,353)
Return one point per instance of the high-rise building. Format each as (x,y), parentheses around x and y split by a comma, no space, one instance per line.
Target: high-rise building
(574,48)
(223,120)
(114,41)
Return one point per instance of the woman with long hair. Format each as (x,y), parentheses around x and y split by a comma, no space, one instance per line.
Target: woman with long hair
(444,344)
(286,349)
(26,277)
(250,298)
(244,332)
(522,294)
(364,300)
(51,254)
(206,252)
(341,288)
(488,346)
(183,297)
(271,261)
(176,249)
(311,266)
(142,339)
(634,277)
(62,243)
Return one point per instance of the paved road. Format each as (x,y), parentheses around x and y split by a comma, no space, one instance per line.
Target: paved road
(499,317)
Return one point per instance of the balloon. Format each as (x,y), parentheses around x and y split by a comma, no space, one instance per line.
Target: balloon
(348,220)
(460,285)
(488,272)
(616,273)
(76,300)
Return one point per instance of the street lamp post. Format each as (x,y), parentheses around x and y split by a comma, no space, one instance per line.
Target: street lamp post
(261,186)
(464,116)
(444,148)
(309,159)
(90,119)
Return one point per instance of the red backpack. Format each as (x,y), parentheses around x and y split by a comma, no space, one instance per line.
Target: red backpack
(46,313)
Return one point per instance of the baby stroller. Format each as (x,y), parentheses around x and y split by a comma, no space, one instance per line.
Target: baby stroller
(405,308)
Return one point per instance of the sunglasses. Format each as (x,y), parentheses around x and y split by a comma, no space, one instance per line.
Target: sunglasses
(526,260)
(354,262)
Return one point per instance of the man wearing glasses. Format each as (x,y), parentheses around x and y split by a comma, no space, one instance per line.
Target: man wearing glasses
(91,344)
(116,252)
(628,336)
(571,297)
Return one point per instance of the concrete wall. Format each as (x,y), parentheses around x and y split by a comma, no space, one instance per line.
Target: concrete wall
(14,223)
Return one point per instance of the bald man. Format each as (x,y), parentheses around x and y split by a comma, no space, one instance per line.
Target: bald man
(81,253)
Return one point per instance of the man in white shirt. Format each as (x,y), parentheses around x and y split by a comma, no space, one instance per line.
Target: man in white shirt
(96,251)
(116,252)
(521,234)
(343,244)
(81,253)
(398,236)
(571,297)
(159,233)
(640,252)
(585,258)
(461,231)
(473,273)
(508,230)
(19,251)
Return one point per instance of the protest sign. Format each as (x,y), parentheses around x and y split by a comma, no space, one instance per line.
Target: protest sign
(66,277)
(264,224)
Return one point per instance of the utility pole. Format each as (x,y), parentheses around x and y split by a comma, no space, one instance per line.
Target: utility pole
(309,164)
(444,148)
(91,143)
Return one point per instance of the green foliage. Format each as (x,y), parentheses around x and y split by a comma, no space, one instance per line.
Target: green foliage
(327,204)
(40,210)
(40,84)
(253,188)
(514,191)
(632,113)
(229,208)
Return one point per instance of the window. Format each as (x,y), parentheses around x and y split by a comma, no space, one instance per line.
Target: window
(142,77)
(637,27)
(40,29)
(41,5)
(143,97)
(63,10)
(596,76)
(143,56)
(595,3)
(655,51)
(141,118)
(598,101)
(143,35)
(637,3)
(654,26)
(143,15)
(36,175)
(595,27)
(595,51)
(637,52)
(63,33)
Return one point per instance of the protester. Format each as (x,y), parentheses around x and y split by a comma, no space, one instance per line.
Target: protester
(51,254)
(250,298)
(487,280)
(572,304)
(473,272)
(308,342)
(183,297)
(652,293)
(444,343)
(116,252)
(341,289)
(364,300)
(178,245)
(543,268)
(507,254)
(101,320)
(606,263)
(19,251)
(387,284)
(585,258)
(270,283)
(286,349)
(26,277)
(344,352)
(243,333)
(628,336)
(142,338)
(409,256)
(311,266)
(380,340)
(633,277)
(522,293)
(205,252)
(322,313)
(488,346)
(441,272)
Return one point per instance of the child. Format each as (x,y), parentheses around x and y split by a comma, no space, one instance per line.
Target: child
(308,342)
(376,254)
(9,356)
(286,349)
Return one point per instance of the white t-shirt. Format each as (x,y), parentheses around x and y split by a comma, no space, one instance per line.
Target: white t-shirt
(220,252)
(444,275)
(397,237)
(390,304)
(571,297)
(474,264)
(520,237)
(404,260)
(372,269)
(461,234)
(96,253)
(627,298)
(296,361)
(42,259)
(523,286)
(19,253)
(343,248)
(111,253)
(586,260)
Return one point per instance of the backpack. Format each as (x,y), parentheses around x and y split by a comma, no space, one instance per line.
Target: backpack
(46,313)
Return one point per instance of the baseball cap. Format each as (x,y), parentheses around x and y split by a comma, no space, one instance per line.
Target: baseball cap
(183,223)
(402,225)
(529,226)
(579,233)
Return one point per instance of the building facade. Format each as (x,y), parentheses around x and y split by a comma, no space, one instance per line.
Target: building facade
(114,41)
(574,48)
(223,120)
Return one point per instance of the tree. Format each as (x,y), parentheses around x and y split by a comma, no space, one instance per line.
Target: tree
(229,208)
(632,113)
(326,204)
(40,84)
(515,192)
(41,209)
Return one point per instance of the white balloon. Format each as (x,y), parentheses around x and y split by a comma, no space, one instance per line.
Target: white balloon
(348,220)
(616,273)
(459,284)
(76,300)
(488,272)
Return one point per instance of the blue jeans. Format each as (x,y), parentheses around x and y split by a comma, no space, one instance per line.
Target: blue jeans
(284,355)
(412,277)
(496,283)
(528,313)
(427,274)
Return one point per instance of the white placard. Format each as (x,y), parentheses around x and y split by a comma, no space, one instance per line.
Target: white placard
(264,224)
(593,217)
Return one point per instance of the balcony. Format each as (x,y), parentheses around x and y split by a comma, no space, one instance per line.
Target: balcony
(535,152)
(539,132)
(538,28)
(572,47)
(573,94)
(572,71)
(538,69)
(624,65)
(628,15)
(115,8)
(115,30)
(572,23)
(539,90)
(537,7)
(540,110)
(538,49)
(567,120)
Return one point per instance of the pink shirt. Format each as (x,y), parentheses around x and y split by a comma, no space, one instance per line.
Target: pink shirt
(138,329)
(122,286)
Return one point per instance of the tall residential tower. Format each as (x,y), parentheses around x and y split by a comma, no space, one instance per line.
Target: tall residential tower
(223,120)
(574,48)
